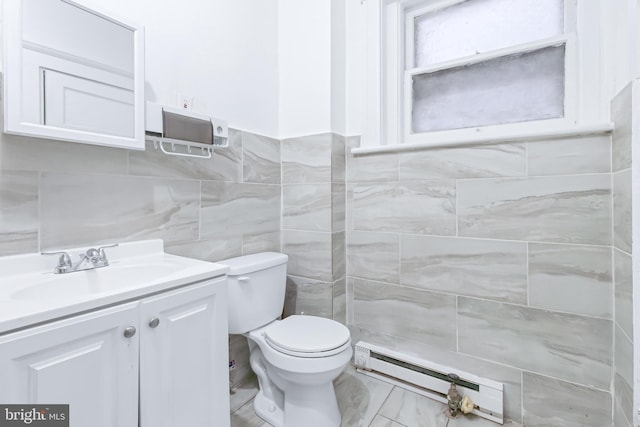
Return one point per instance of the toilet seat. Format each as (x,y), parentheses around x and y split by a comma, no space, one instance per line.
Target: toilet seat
(307,336)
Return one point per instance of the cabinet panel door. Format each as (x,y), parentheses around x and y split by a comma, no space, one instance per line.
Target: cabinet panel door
(84,361)
(184,376)
(74,102)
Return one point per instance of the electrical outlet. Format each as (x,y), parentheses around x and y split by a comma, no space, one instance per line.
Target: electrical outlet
(185,102)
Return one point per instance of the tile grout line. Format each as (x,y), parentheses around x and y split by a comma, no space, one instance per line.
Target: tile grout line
(383,403)
(457,216)
(613,281)
(507,177)
(526,159)
(522,396)
(528,284)
(457,325)
(480,298)
(612,388)
(399,240)
(490,239)
(281,198)
(622,331)
(200,212)
(39,181)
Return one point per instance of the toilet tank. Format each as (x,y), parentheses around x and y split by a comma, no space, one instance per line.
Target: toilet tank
(256,285)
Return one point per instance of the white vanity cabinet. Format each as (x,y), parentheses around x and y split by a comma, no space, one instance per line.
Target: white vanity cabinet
(170,370)
(184,374)
(84,361)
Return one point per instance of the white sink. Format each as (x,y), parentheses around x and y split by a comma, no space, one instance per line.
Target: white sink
(31,293)
(99,280)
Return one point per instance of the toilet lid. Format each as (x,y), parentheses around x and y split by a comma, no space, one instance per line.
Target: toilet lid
(307,334)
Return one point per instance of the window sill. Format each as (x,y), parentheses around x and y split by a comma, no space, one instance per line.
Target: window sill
(529,136)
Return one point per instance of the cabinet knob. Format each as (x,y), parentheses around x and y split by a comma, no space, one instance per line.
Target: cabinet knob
(129,331)
(154,322)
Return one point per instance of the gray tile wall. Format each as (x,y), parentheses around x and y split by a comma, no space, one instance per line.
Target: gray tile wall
(622,113)
(57,195)
(498,260)
(495,260)
(551,402)
(313,224)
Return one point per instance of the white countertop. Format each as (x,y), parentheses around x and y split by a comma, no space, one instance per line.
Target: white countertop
(30,293)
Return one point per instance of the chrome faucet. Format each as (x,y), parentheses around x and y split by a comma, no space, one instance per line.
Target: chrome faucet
(93,258)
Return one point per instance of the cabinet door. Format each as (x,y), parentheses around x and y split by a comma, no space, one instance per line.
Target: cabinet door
(74,102)
(184,376)
(84,361)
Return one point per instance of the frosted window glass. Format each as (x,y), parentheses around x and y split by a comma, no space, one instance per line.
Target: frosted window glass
(484,25)
(510,89)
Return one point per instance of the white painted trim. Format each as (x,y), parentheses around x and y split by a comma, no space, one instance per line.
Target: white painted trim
(572,75)
(407,102)
(12,60)
(539,134)
(417,9)
(48,51)
(493,54)
(373,95)
(409,40)
(592,104)
(393,65)
(390,124)
(489,132)
(572,72)
(635,242)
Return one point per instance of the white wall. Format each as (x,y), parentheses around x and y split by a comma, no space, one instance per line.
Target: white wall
(621,44)
(338,66)
(356,68)
(223,53)
(265,66)
(305,67)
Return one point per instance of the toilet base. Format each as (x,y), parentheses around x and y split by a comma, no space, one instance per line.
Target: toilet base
(296,398)
(304,406)
(311,406)
(267,410)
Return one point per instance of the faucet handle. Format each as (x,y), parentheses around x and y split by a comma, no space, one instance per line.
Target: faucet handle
(113,245)
(64,262)
(92,255)
(64,259)
(101,253)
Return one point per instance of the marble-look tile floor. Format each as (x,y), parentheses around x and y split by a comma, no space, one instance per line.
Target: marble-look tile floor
(366,402)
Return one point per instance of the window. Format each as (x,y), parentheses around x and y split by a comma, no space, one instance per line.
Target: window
(507,89)
(480,69)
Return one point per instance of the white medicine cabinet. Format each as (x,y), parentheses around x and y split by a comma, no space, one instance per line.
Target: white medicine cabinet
(73,73)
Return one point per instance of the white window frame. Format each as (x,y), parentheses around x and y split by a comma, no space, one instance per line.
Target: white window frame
(389,89)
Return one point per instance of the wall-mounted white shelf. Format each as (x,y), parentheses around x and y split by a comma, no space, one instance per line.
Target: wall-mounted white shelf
(174,147)
(480,138)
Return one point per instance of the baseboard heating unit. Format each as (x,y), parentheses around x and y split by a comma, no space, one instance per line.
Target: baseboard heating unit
(429,379)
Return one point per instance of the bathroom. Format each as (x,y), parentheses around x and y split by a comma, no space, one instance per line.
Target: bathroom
(509,259)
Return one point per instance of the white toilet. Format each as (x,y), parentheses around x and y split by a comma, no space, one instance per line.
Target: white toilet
(295,359)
